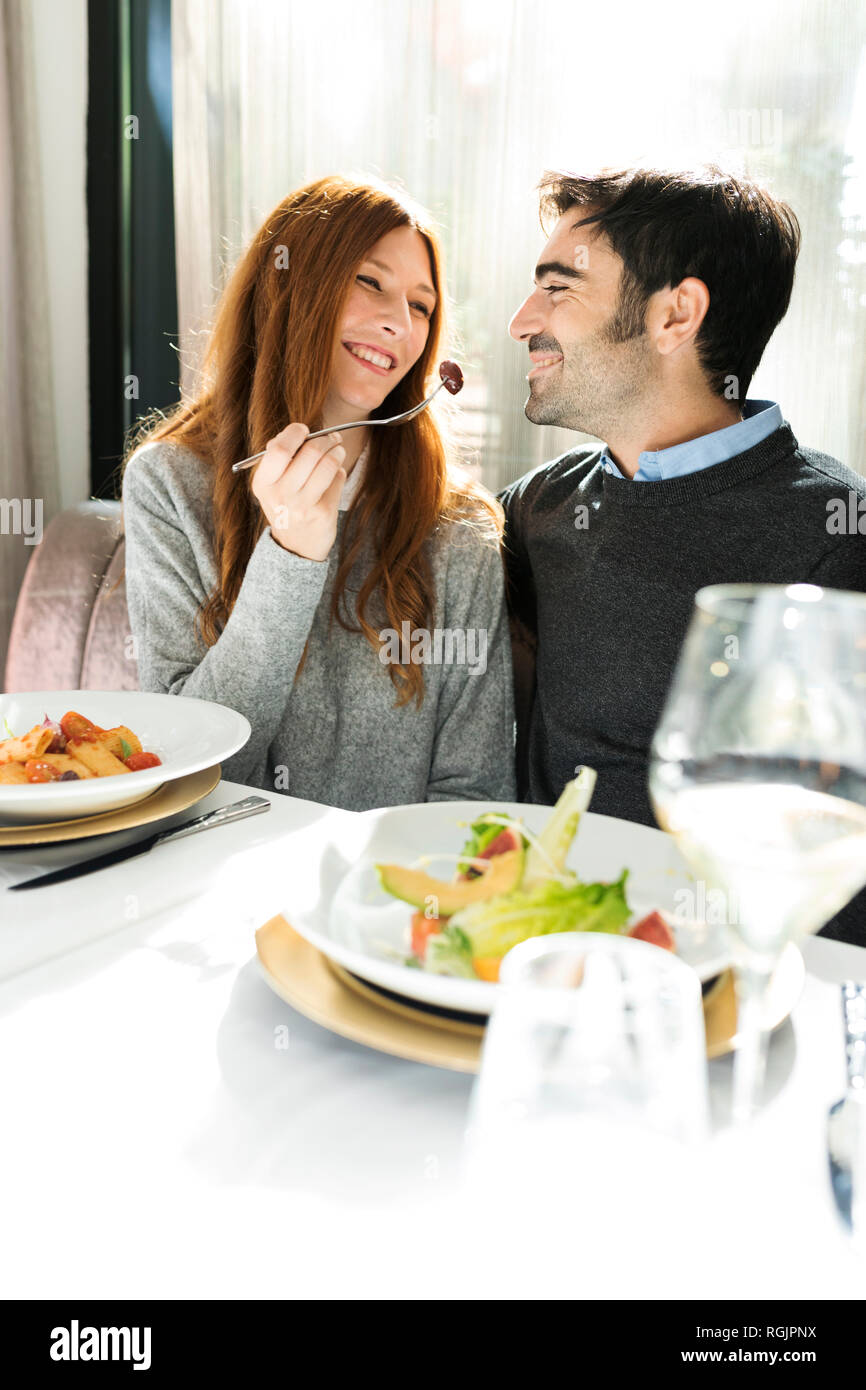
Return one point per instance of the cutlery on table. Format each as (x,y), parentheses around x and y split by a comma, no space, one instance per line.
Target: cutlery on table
(224,815)
(846,1121)
(452,380)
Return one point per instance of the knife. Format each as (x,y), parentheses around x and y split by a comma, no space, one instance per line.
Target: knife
(846,1122)
(224,815)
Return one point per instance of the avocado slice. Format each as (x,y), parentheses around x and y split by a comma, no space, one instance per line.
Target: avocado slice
(415,887)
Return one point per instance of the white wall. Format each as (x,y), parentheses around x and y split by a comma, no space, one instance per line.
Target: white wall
(60,40)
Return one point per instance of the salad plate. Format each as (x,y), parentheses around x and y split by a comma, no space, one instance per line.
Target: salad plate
(181,736)
(360,924)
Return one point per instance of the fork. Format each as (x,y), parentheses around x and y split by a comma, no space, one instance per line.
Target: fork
(452,380)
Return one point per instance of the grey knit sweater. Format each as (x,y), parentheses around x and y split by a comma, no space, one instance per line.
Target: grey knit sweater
(335,734)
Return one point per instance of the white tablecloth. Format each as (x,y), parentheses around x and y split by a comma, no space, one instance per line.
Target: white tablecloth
(159,1142)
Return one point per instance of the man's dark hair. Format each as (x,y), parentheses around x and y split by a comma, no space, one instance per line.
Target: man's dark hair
(665,226)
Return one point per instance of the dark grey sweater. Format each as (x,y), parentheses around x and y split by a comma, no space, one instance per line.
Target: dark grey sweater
(609,599)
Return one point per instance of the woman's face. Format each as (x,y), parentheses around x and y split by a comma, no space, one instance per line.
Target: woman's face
(385,324)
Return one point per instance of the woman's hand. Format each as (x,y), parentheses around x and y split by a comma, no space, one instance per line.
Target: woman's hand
(298,487)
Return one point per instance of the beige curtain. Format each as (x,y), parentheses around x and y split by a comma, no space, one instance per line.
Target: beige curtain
(466,101)
(29,484)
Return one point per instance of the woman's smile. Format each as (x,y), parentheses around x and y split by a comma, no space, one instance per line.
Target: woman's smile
(376,360)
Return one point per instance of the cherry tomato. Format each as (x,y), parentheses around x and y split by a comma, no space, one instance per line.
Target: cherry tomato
(506,840)
(137,762)
(654,929)
(37,771)
(76,726)
(422,929)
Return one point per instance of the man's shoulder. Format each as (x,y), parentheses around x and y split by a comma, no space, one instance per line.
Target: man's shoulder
(553,481)
(824,472)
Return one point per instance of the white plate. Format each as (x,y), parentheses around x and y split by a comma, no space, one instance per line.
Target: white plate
(360,926)
(186,734)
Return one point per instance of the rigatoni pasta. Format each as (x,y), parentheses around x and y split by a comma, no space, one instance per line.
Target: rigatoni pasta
(18,750)
(73,749)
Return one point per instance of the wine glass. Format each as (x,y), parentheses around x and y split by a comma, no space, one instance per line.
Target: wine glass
(758,768)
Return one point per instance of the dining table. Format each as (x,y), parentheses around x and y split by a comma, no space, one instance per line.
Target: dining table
(173,1129)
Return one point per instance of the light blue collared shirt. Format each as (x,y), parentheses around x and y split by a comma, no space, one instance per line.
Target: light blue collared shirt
(759,420)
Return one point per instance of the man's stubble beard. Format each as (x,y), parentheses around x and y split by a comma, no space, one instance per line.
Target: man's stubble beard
(599,384)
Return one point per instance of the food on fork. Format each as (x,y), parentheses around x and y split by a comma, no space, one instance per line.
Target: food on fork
(71,750)
(511,885)
(452,376)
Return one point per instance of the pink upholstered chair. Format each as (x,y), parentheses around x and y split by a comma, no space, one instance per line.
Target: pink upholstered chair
(71,629)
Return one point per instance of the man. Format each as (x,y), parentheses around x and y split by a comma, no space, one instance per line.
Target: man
(654,299)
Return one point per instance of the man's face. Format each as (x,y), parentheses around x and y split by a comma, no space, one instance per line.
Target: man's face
(591,359)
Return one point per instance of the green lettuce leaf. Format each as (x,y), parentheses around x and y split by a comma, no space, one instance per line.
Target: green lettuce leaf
(493,927)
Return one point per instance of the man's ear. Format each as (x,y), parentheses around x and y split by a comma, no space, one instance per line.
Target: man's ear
(675,314)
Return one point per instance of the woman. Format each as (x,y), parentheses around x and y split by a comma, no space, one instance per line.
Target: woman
(346,594)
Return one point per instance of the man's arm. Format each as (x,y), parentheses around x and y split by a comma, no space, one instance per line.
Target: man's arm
(519,581)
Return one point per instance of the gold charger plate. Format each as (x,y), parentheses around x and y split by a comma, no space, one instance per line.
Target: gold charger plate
(165,801)
(302,976)
(323,991)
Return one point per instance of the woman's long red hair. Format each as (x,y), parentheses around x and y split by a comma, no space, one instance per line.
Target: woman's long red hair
(268,363)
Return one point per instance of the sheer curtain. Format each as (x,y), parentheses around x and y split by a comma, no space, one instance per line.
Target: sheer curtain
(29,484)
(466,103)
